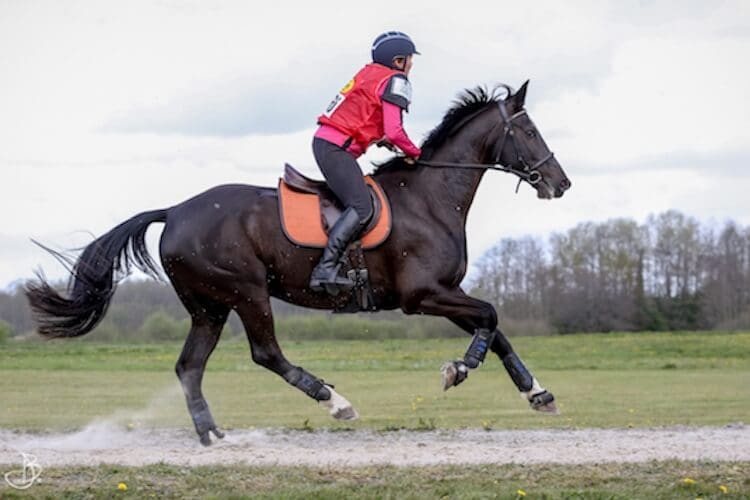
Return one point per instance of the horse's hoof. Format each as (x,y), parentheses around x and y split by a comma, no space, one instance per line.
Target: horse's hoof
(348,413)
(448,374)
(338,406)
(544,402)
(453,373)
(218,433)
(205,439)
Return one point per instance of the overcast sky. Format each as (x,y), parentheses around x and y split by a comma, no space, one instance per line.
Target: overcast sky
(111,108)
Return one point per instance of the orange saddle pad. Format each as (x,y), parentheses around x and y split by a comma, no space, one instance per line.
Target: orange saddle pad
(304,223)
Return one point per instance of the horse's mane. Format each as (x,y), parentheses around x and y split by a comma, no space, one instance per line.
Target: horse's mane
(467,103)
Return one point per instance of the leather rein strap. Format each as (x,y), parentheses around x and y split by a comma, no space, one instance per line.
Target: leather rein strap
(530,173)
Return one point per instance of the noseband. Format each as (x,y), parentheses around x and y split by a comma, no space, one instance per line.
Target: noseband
(528,173)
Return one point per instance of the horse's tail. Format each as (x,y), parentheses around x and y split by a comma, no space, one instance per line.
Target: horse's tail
(92,281)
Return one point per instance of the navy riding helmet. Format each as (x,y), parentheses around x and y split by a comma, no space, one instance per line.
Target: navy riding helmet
(392,44)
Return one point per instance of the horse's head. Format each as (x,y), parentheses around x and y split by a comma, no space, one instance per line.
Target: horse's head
(517,144)
(481,131)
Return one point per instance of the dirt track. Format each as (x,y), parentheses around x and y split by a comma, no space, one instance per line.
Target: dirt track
(104,443)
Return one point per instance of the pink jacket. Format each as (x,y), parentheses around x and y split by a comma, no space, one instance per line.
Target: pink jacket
(392,126)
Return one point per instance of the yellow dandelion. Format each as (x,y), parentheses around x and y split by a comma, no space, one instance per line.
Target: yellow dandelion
(724,489)
(688,480)
(122,487)
(521,493)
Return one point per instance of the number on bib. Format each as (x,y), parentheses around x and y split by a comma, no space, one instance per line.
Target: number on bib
(335,103)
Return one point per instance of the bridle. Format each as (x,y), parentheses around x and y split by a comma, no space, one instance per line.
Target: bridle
(528,173)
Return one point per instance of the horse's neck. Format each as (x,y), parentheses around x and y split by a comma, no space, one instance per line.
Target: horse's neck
(447,192)
(452,189)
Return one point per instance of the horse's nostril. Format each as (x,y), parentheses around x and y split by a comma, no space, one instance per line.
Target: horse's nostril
(565,184)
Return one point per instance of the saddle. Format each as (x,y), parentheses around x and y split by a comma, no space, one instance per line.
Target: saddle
(308,209)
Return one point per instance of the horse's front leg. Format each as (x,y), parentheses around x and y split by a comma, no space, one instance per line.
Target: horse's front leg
(531,390)
(480,319)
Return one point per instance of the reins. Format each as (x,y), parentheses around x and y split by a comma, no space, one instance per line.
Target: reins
(530,173)
(532,177)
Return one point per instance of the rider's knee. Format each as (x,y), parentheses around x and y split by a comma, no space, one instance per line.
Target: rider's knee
(365,213)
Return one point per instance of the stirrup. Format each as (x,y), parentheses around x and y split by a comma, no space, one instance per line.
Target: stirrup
(333,286)
(330,287)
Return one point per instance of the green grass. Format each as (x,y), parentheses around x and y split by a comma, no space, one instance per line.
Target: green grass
(600,481)
(613,380)
(618,351)
(385,399)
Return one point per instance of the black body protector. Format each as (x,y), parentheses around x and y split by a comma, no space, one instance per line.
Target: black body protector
(398,92)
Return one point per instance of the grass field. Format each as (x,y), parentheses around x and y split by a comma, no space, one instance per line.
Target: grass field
(613,380)
(662,480)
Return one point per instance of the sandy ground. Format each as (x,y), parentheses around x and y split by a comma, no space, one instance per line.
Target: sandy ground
(108,443)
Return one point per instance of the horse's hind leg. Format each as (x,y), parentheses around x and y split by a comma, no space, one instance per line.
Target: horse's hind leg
(256,316)
(207,321)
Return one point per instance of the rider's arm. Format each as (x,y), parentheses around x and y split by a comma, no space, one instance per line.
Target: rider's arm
(396,97)
(394,130)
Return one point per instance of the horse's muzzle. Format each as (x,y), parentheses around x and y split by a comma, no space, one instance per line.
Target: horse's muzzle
(563,186)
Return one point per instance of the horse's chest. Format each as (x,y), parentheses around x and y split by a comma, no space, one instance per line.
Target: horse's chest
(452,273)
(449,262)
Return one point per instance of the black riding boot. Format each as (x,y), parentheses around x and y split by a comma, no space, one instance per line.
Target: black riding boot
(325,276)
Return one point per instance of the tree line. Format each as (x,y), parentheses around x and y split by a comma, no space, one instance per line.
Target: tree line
(670,273)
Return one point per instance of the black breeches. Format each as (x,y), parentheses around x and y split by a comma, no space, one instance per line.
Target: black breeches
(344,177)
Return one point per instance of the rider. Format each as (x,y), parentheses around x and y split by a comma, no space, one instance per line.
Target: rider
(367,109)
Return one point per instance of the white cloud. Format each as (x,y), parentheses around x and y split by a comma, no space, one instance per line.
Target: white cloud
(662,97)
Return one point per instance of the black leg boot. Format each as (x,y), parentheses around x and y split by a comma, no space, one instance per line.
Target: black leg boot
(325,276)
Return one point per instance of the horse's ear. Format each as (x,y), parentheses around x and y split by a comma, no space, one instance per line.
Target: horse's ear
(519,98)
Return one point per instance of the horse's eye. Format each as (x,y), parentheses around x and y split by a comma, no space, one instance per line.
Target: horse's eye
(531,133)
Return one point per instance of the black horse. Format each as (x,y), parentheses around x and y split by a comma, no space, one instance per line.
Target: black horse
(225,250)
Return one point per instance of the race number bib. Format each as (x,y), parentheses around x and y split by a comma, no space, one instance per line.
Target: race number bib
(336,102)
